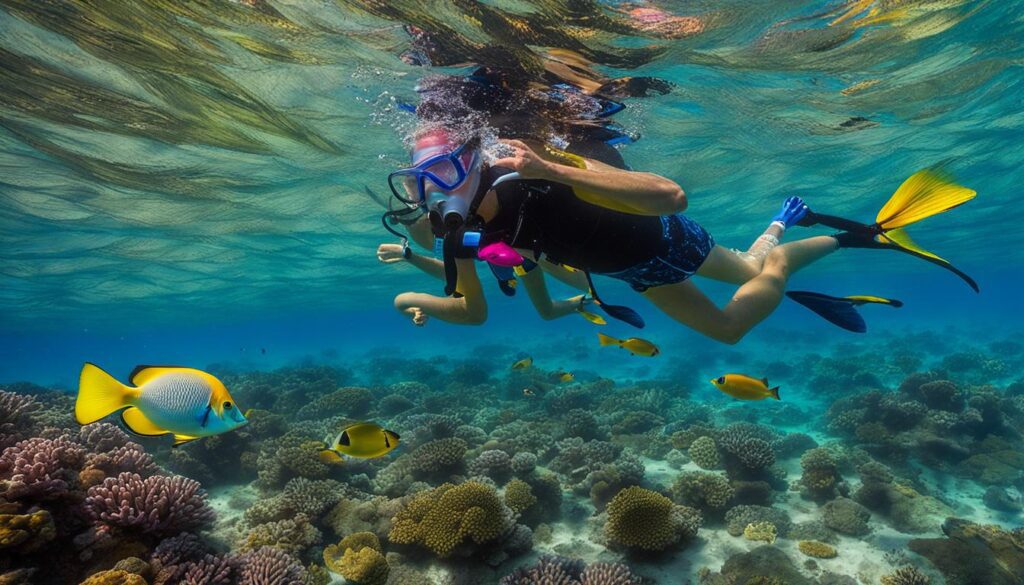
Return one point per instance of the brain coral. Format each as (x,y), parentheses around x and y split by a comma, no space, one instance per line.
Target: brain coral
(443,518)
(643,519)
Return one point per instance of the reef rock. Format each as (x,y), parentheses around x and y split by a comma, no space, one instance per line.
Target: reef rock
(25,533)
(765,564)
(975,554)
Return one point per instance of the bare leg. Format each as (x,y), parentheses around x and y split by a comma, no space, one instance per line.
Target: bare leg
(738,267)
(753,301)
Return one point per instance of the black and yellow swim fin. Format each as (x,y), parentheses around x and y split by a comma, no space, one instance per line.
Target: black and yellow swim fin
(840,311)
(924,194)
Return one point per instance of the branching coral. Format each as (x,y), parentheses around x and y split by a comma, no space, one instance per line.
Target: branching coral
(39,468)
(737,518)
(552,570)
(443,518)
(348,402)
(492,463)
(270,566)
(641,519)
(158,505)
(18,417)
(908,575)
(292,535)
(820,474)
(705,491)
(523,464)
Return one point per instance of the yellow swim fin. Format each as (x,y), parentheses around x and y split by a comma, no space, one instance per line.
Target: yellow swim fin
(924,194)
(99,394)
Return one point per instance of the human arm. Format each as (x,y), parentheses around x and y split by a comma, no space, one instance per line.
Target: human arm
(392,253)
(469,309)
(548,309)
(604,185)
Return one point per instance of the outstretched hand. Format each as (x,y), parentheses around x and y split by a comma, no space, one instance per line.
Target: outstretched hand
(390,253)
(524,161)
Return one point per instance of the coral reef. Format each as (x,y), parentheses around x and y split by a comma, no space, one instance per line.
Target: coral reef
(708,492)
(906,576)
(846,516)
(704,453)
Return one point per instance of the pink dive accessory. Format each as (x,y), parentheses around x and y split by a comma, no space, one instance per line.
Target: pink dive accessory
(500,254)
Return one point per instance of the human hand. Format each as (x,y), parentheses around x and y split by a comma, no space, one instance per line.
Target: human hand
(524,161)
(390,253)
(419,318)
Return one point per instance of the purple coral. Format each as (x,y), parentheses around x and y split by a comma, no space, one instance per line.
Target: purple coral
(158,505)
(101,437)
(17,415)
(211,570)
(174,556)
(556,570)
(270,566)
(129,457)
(40,468)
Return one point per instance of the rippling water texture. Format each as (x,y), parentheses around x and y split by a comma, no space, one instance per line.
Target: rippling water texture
(177,158)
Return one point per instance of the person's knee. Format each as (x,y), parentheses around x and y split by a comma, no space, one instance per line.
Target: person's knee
(776,260)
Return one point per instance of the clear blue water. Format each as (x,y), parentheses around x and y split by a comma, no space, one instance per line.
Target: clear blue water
(184,183)
(158,218)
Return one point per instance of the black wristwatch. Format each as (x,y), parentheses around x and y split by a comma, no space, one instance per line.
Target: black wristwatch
(406,251)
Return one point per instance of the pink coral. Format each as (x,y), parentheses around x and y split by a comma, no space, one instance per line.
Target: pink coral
(17,416)
(40,468)
(128,457)
(158,505)
(270,566)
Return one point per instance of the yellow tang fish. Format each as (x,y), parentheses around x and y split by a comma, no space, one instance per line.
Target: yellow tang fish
(745,387)
(161,400)
(633,345)
(523,364)
(361,441)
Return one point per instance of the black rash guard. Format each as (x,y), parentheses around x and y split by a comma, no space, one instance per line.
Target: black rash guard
(570,231)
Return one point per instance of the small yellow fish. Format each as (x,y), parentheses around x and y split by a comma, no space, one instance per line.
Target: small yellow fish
(361,441)
(592,317)
(633,345)
(523,364)
(563,377)
(528,392)
(161,400)
(745,387)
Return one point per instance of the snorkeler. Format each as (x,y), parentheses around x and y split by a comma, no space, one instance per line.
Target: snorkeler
(623,224)
(533,282)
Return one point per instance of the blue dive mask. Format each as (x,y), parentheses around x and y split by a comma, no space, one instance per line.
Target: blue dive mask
(444,172)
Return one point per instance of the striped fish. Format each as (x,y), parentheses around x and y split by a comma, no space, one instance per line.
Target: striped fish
(160,400)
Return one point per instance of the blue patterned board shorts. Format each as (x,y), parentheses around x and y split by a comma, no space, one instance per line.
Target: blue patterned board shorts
(688,246)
